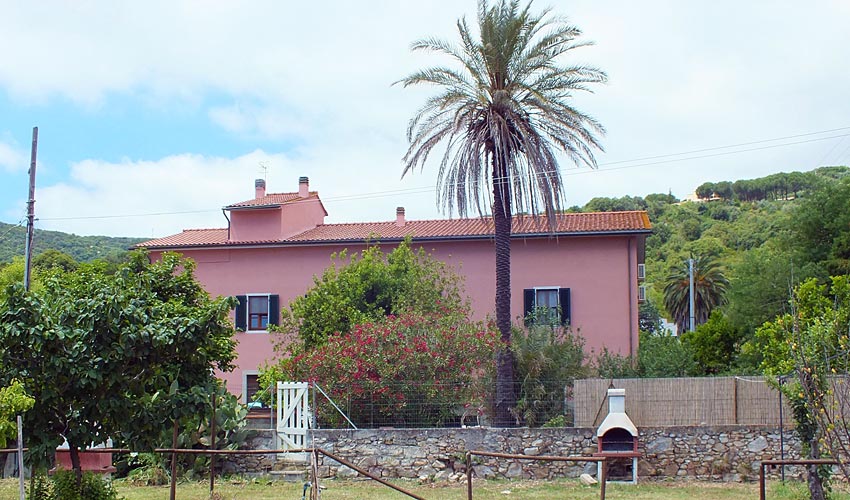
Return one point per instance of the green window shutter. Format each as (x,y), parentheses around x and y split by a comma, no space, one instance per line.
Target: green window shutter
(274,309)
(241,318)
(564,303)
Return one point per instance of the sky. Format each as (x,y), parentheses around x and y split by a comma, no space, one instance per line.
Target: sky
(154,115)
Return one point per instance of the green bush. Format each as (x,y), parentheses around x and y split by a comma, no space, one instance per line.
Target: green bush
(146,469)
(549,357)
(63,486)
(614,365)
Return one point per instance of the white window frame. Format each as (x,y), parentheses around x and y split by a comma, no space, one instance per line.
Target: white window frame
(245,375)
(248,312)
(557,291)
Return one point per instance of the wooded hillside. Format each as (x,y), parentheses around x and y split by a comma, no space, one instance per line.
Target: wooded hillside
(763,235)
(81,248)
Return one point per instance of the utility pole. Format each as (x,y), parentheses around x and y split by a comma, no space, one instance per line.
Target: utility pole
(691,293)
(28,258)
(30,210)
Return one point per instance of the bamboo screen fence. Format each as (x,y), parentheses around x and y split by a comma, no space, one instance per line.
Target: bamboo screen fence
(683,401)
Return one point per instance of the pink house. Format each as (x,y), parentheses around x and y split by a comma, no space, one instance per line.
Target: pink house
(274,244)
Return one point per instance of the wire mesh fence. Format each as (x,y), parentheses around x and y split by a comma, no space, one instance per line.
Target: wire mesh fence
(694,401)
(401,404)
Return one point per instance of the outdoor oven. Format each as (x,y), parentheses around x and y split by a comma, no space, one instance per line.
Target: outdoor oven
(617,439)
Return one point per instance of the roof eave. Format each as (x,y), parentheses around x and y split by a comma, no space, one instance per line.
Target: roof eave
(253,207)
(393,239)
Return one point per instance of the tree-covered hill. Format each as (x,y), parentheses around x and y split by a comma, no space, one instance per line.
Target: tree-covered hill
(766,235)
(81,248)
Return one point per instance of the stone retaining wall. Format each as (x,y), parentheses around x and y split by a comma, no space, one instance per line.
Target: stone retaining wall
(722,453)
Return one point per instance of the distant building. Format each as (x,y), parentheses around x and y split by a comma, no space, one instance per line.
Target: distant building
(275,243)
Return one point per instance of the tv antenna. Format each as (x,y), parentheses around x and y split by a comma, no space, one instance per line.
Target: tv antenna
(264,169)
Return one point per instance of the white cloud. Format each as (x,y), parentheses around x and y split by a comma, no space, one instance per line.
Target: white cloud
(157,198)
(12,159)
(319,75)
(144,198)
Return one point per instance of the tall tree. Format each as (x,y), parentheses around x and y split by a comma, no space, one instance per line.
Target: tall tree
(502,113)
(710,286)
(113,355)
(810,346)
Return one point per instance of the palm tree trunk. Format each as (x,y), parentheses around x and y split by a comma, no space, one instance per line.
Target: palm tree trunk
(505,361)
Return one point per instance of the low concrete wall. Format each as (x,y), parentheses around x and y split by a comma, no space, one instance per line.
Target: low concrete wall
(721,453)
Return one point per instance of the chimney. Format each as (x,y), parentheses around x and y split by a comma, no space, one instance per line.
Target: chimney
(303,187)
(259,188)
(616,401)
(399,217)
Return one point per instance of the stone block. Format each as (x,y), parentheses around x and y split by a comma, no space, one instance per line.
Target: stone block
(587,480)
(514,471)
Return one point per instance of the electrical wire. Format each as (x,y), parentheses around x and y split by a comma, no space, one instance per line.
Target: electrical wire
(12,227)
(663,159)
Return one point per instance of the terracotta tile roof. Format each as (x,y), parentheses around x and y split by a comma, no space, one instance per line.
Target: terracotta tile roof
(189,238)
(609,222)
(568,224)
(272,199)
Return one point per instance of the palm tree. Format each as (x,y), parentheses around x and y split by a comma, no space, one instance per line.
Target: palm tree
(709,291)
(501,114)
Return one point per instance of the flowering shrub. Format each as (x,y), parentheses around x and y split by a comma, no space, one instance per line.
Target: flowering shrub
(403,371)
(367,286)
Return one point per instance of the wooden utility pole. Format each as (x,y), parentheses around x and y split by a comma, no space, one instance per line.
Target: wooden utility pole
(28,259)
(30,210)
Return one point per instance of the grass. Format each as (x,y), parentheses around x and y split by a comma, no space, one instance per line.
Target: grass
(239,489)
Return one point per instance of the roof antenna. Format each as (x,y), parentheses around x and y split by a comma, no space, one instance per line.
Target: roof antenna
(264,169)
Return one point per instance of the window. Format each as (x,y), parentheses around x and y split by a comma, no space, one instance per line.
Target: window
(255,312)
(258,313)
(548,304)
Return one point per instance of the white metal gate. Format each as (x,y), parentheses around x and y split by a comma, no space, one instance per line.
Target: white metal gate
(293,417)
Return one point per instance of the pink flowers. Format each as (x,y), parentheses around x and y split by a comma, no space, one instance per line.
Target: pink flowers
(401,370)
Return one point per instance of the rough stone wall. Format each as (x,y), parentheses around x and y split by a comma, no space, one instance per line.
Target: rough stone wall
(252,464)
(721,453)
(440,453)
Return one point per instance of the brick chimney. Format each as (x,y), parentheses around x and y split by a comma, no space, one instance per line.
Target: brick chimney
(259,188)
(303,187)
(399,217)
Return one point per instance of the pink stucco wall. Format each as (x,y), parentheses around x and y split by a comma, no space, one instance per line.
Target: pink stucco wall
(255,224)
(601,272)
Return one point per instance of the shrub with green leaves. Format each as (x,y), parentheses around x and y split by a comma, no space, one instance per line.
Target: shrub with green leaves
(368,286)
(63,485)
(549,358)
(13,401)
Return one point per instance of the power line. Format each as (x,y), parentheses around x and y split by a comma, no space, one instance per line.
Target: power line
(127,216)
(663,159)
(12,228)
(762,141)
(726,153)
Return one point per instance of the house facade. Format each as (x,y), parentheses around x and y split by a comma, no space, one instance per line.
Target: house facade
(274,244)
